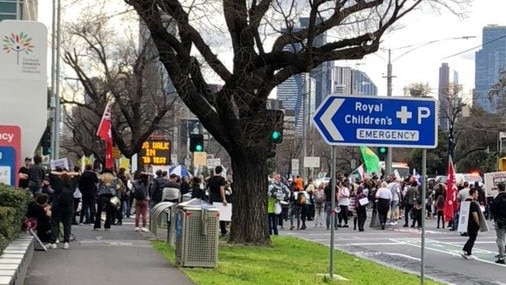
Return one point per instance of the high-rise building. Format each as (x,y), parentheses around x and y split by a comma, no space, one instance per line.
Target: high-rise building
(489,61)
(294,89)
(349,81)
(442,95)
(18,10)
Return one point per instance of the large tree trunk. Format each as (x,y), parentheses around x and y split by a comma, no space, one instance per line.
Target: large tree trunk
(249,224)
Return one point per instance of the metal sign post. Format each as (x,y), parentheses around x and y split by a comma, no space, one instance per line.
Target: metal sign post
(332,208)
(424,194)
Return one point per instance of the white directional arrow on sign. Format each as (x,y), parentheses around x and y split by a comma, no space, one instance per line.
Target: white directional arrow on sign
(326,119)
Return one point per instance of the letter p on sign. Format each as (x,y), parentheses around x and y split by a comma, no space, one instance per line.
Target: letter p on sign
(423,113)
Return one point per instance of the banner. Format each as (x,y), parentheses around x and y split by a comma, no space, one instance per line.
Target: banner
(104,132)
(451,192)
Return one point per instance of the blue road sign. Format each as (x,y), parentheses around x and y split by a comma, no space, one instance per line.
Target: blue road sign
(378,121)
(7,165)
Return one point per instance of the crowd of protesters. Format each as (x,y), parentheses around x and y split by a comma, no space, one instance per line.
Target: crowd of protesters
(392,199)
(104,198)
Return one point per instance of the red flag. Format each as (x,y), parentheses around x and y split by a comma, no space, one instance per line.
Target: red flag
(104,132)
(451,191)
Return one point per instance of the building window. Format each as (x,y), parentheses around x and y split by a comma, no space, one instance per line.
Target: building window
(8,9)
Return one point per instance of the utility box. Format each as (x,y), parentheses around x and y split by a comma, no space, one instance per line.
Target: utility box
(197,235)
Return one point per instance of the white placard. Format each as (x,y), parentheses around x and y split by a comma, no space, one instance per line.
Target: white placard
(312,161)
(225,211)
(5,175)
(295,166)
(213,162)
(464,217)
(62,162)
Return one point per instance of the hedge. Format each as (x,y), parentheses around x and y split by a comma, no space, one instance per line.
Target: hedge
(13,206)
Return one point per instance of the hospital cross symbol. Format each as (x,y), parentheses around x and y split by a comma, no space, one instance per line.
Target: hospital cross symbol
(404,115)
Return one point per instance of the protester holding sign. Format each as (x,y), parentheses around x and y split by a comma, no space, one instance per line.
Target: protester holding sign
(473,222)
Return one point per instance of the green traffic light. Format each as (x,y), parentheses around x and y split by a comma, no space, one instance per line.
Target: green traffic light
(275,135)
(382,149)
(198,148)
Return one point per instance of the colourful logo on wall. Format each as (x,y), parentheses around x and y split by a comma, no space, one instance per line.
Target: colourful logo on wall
(19,43)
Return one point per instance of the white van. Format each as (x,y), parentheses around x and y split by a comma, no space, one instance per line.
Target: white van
(401,167)
(470,178)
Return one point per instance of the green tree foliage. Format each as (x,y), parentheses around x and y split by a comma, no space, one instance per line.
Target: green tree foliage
(437,158)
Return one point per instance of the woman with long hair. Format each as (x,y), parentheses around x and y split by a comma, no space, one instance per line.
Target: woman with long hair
(107,188)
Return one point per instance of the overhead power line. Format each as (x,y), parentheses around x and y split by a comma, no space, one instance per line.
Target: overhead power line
(478,46)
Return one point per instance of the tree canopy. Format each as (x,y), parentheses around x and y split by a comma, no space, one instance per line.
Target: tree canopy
(266,48)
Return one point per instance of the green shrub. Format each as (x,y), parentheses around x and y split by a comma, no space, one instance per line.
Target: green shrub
(4,242)
(13,206)
(13,197)
(7,219)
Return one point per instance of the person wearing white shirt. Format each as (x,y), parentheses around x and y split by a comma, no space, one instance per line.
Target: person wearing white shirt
(343,198)
(383,198)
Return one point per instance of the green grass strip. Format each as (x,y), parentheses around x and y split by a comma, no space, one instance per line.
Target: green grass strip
(289,261)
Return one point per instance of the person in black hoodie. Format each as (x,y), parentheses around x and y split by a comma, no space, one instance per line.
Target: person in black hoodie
(88,186)
(40,210)
(62,208)
(196,191)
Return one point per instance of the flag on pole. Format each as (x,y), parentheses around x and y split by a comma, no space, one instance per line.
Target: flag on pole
(451,192)
(104,132)
(360,171)
(416,176)
(371,160)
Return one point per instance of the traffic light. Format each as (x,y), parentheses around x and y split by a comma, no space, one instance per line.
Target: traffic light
(382,153)
(276,136)
(277,116)
(45,141)
(196,143)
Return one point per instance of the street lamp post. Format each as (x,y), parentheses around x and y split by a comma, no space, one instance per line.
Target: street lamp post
(390,76)
(55,79)
(388,163)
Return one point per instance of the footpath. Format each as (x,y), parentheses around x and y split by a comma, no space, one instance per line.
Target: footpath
(119,256)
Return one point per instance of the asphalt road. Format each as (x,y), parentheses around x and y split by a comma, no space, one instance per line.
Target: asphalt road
(402,247)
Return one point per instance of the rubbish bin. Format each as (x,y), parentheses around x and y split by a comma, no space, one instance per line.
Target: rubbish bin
(196,227)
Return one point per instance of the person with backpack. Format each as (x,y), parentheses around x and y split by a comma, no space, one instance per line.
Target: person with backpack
(140,188)
(498,210)
(106,190)
(410,199)
(156,188)
(310,188)
(299,209)
(319,204)
(279,190)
